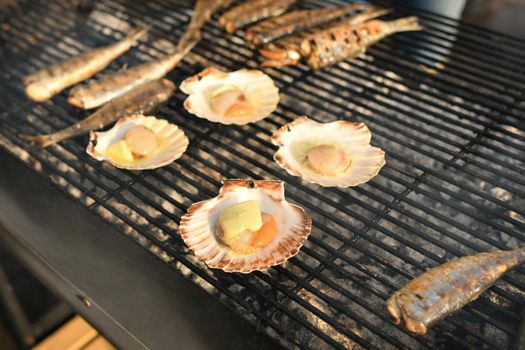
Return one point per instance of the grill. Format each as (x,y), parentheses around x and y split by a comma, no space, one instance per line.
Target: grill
(446,104)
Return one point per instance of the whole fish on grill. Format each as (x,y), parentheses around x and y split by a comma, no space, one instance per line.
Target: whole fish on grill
(349,41)
(287,51)
(47,82)
(142,100)
(273,28)
(444,289)
(204,9)
(110,86)
(252,11)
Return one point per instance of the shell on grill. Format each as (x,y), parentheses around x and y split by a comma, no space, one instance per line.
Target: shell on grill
(199,226)
(250,88)
(172,142)
(356,161)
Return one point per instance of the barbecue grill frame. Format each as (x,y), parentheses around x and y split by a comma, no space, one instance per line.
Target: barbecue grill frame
(422,180)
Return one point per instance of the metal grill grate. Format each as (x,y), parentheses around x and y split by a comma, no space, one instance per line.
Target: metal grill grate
(446,104)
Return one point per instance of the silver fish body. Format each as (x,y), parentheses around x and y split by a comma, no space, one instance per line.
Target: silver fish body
(110,86)
(47,82)
(445,289)
(144,99)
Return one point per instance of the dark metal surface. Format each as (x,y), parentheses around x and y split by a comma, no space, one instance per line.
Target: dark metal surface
(128,294)
(30,310)
(446,104)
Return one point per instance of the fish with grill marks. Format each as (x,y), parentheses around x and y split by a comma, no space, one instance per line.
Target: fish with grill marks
(110,86)
(445,289)
(47,82)
(252,11)
(287,51)
(274,28)
(142,100)
(349,41)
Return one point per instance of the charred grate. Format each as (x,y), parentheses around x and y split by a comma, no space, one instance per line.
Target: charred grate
(446,104)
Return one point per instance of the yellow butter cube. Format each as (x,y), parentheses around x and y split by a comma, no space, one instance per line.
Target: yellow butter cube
(119,152)
(240,217)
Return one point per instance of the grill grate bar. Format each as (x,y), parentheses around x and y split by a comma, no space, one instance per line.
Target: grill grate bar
(327,200)
(210,193)
(262,276)
(290,196)
(512,178)
(409,72)
(429,98)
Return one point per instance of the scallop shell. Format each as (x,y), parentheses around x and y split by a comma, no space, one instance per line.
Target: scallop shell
(258,87)
(174,145)
(366,161)
(199,224)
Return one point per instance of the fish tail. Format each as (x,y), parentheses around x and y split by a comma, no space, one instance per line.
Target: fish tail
(375,12)
(406,24)
(367,14)
(508,258)
(169,62)
(351,7)
(41,141)
(137,33)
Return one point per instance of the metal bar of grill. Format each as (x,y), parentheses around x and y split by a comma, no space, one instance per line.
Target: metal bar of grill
(446,104)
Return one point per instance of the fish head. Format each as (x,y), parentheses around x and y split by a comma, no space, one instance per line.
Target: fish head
(396,310)
(39,91)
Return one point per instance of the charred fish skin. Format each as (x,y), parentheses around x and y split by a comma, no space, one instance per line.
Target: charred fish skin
(287,51)
(110,86)
(340,43)
(47,82)
(275,28)
(252,11)
(445,289)
(141,100)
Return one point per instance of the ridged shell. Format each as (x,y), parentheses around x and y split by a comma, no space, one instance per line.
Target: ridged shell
(175,142)
(366,161)
(256,85)
(198,226)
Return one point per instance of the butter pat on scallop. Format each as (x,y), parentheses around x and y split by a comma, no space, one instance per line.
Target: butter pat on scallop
(120,152)
(239,217)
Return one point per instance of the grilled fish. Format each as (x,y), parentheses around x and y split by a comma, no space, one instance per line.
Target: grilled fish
(339,43)
(144,99)
(204,9)
(274,28)
(45,83)
(287,51)
(110,86)
(252,11)
(446,288)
